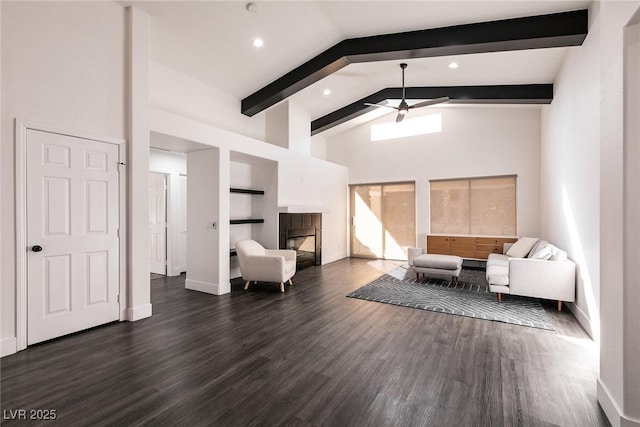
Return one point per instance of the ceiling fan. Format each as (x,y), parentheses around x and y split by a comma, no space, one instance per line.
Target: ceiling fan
(403,108)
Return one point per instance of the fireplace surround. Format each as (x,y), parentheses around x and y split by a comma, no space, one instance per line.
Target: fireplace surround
(302,232)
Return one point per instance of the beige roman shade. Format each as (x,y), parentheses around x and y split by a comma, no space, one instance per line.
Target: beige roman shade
(477,206)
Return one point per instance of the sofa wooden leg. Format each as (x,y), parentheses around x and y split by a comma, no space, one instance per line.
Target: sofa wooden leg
(290,282)
(281,286)
(417,277)
(499,297)
(559,305)
(246,285)
(454,281)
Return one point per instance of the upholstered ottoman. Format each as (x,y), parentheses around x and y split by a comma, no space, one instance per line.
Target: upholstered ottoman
(438,266)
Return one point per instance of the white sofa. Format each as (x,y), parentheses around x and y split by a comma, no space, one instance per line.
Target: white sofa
(542,271)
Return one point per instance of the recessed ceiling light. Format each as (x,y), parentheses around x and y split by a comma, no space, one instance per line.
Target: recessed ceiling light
(257,42)
(453,65)
(327,92)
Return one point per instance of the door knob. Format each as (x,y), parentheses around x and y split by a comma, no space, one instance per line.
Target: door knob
(36,248)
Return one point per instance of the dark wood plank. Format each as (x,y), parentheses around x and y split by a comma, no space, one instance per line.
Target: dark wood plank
(487,94)
(531,32)
(309,356)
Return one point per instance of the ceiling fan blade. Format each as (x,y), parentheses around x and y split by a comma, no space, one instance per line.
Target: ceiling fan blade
(399,117)
(430,102)
(380,106)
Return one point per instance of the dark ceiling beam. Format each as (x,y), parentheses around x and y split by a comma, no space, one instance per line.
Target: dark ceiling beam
(533,32)
(495,94)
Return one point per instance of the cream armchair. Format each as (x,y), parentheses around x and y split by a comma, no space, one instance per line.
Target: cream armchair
(265,265)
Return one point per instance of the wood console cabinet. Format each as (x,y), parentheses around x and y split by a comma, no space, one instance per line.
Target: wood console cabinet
(466,246)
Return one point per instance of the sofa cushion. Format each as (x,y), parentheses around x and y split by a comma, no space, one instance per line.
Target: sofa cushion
(498,259)
(542,250)
(498,274)
(557,254)
(522,247)
(540,243)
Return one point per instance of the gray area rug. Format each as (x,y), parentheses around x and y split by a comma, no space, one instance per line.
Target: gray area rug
(470,298)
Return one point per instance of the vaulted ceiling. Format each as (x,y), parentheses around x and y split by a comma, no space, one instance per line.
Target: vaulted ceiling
(212,41)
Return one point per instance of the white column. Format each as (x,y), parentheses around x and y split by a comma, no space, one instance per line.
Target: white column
(208,221)
(138,280)
(224,202)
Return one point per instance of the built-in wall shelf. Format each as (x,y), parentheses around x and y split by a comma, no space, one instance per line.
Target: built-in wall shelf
(246,191)
(247,221)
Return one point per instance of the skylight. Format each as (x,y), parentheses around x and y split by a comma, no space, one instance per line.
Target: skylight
(408,127)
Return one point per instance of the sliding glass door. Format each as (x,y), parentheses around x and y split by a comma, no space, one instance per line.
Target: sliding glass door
(383,220)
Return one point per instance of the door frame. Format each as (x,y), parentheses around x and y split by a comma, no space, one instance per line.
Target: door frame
(22,126)
(167,218)
(352,214)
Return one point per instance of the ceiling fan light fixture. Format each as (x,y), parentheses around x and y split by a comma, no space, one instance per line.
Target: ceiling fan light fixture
(403,108)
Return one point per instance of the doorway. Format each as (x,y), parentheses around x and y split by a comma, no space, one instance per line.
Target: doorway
(68,219)
(158,223)
(383,220)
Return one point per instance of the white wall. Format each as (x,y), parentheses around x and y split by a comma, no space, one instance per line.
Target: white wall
(264,176)
(299,129)
(570,171)
(186,96)
(254,174)
(240,204)
(62,64)
(277,125)
(204,224)
(619,381)
(474,142)
(173,165)
(319,146)
(321,186)
(289,125)
(302,180)
(8,344)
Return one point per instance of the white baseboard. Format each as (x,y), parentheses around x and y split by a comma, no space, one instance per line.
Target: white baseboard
(8,346)
(209,288)
(582,318)
(139,312)
(326,259)
(611,409)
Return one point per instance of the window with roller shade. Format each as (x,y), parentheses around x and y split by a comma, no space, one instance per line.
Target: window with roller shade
(476,206)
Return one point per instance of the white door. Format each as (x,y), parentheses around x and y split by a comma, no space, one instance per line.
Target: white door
(72,234)
(182,219)
(157,223)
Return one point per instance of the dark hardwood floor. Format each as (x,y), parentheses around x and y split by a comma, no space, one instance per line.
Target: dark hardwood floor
(309,356)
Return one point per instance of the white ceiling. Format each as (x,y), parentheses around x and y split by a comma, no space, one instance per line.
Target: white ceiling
(212,41)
